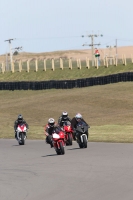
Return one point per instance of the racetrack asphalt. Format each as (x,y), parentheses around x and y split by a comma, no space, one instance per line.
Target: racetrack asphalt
(103,171)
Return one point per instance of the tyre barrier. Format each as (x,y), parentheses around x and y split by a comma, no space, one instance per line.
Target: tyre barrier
(67,84)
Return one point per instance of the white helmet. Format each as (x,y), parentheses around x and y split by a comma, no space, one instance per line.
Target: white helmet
(64,115)
(51,122)
(78,116)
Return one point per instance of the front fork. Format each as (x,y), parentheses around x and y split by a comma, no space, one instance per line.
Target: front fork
(58,145)
(19,137)
(81,137)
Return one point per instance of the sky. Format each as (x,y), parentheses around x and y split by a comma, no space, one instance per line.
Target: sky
(53,25)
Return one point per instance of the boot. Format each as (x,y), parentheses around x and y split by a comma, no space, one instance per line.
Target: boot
(74,135)
(16,136)
(51,145)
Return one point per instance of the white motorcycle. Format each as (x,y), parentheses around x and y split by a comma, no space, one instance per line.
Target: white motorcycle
(21,134)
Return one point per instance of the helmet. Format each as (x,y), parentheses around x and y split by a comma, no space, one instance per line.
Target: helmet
(51,122)
(64,115)
(20,118)
(78,116)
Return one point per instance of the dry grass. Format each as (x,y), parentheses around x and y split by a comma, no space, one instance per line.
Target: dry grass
(108,109)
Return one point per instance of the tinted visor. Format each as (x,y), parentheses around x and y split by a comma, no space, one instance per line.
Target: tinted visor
(64,116)
(51,124)
(20,120)
(78,119)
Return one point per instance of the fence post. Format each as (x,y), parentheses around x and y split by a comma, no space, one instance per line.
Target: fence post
(36,65)
(12,67)
(45,65)
(116,61)
(106,61)
(28,65)
(70,63)
(20,66)
(3,68)
(79,63)
(131,58)
(87,63)
(97,63)
(122,59)
(125,60)
(53,68)
(61,63)
(94,62)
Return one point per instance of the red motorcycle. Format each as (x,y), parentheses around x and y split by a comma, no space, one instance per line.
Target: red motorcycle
(21,133)
(58,140)
(68,133)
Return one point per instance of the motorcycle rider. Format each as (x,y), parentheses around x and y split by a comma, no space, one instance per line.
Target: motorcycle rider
(63,118)
(19,120)
(49,129)
(75,121)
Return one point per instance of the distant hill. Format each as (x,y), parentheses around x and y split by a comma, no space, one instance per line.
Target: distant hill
(82,54)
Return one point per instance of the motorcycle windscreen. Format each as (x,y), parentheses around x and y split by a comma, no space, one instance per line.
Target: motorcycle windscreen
(82,129)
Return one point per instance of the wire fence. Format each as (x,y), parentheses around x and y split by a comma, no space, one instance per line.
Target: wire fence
(53,64)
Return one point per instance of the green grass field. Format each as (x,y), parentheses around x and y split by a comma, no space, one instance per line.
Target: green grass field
(108,109)
(66,73)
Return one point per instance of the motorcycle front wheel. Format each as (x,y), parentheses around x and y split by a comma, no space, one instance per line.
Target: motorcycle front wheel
(62,150)
(80,145)
(22,140)
(58,152)
(84,142)
(69,139)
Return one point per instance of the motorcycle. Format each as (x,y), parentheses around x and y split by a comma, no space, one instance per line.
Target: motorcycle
(68,132)
(21,133)
(58,140)
(81,134)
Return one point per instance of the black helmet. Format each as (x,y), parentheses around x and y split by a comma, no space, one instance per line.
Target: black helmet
(20,118)
(65,115)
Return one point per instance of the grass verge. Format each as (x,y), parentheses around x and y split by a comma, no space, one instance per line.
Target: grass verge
(108,109)
(65,74)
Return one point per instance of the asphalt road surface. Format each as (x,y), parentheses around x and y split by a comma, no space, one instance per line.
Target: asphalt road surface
(103,171)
